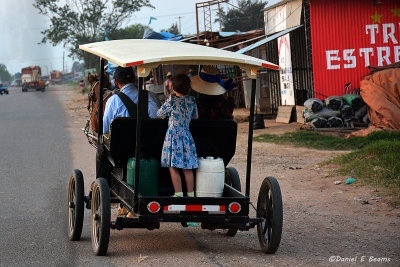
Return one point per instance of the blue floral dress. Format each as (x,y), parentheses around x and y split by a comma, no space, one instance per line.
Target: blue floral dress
(179,149)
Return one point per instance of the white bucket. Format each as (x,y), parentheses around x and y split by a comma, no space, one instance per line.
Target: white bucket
(210,177)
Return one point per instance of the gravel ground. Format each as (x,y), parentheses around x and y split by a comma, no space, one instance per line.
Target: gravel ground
(324,224)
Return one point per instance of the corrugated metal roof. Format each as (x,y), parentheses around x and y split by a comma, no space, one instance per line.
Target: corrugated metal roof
(277,4)
(243,42)
(266,40)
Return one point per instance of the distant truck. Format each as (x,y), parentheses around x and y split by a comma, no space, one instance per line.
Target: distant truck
(56,77)
(31,78)
(3,89)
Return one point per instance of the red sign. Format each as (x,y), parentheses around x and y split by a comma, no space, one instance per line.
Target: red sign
(347,37)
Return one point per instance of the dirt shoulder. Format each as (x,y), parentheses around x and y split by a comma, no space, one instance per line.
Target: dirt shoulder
(321,219)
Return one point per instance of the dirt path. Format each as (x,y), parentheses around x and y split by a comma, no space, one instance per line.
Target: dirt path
(321,219)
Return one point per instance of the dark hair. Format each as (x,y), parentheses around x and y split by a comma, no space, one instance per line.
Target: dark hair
(124,75)
(181,84)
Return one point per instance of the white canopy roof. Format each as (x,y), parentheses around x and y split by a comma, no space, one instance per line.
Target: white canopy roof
(148,54)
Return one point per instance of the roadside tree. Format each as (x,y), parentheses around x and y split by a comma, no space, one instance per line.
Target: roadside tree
(4,74)
(173,29)
(134,31)
(248,16)
(78,22)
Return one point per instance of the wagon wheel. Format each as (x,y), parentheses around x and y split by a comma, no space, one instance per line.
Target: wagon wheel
(232,179)
(75,205)
(269,207)
(100,217)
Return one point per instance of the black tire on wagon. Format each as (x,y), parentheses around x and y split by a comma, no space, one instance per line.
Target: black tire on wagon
(269,207)
(101,217)
(75,205)
(232,178)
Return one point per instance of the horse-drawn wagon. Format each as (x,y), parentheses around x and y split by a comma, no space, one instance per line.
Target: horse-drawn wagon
(143,137)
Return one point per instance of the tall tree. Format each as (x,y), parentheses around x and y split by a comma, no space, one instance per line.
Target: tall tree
(77,66)
(75,22)
(4,74)
(173,29)
(134,31)
(247,17)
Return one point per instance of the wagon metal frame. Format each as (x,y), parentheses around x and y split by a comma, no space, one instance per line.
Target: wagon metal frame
(230,212)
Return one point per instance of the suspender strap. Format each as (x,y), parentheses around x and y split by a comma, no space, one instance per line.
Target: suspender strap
(129,104)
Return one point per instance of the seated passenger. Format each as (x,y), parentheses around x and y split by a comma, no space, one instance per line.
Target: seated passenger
(211,103)
(124,78)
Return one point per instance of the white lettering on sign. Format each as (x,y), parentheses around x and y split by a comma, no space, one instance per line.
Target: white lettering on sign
(396,53)
(378,56)
(382,57)
(332,55)
(366,52)
(386,35)
(372,28)
(347,56)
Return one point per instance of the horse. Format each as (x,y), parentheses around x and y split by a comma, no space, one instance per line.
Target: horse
(93,104)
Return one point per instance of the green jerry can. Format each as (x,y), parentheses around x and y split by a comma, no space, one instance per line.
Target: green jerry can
(148,182)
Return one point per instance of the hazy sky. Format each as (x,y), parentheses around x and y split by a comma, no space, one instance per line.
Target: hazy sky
(20,26)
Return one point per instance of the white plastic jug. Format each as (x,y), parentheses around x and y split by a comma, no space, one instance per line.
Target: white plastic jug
(210,177)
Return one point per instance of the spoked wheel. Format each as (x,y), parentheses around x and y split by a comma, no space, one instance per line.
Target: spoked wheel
(100,217)
(232,179)
(75,205)
(269,207)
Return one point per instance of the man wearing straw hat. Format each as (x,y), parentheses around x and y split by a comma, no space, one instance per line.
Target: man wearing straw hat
(211,102)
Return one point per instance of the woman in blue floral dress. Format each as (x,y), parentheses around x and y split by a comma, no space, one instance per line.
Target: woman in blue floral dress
(179,150)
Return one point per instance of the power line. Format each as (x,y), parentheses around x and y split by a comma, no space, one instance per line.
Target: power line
(169,15)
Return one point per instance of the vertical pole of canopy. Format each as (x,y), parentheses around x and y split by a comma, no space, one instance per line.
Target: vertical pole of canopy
(140,114)
(100,107)
(250,139)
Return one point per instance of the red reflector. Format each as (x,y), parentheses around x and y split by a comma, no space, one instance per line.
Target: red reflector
(221,208)
(194,207)
(134,63)
(153,207)
(270,66)
(234,207)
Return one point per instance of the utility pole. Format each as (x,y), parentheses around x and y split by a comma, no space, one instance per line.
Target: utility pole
(63,60)
(179,18)
(219,17)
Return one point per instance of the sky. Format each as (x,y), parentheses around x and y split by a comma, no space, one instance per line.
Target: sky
(20,27)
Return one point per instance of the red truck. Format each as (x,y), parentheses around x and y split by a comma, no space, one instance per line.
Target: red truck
(56,77)
(31,78)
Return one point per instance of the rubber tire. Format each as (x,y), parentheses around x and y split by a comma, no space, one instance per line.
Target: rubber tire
(100,230)
(75,205)
(270,192)
(233,179)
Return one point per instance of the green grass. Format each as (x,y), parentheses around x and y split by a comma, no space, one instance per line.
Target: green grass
(73,84)
(374,160)
(376,164)
(327,142)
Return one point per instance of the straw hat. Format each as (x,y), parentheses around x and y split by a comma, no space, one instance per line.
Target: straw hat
(169,73)
(208,82)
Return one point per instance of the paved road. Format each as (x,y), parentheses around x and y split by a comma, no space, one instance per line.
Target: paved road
(35,162)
